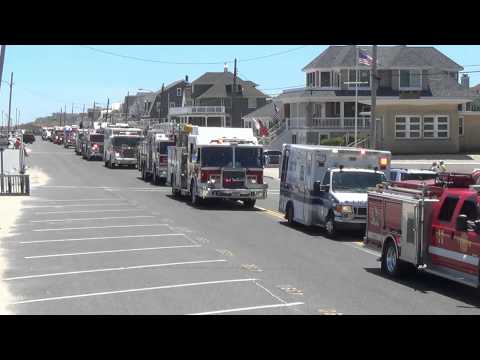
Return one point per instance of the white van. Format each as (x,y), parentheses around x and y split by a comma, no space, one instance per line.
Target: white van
(327,186)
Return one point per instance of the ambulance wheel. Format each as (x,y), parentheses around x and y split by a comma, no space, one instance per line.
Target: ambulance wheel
(249,203)
(330,227)
(390,261)
(290,214)
(195,199)
(144,173)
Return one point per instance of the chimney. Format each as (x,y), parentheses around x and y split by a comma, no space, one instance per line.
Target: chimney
(465,81)
(225,68)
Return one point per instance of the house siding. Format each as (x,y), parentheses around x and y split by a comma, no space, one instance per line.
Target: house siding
(419,146)
(469,142)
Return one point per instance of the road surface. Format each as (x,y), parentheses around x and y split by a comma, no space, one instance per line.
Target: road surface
(102,241)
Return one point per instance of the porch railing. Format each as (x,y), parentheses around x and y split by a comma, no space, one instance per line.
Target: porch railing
(347,123)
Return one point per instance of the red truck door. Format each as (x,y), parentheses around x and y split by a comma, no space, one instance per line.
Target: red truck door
(443,228)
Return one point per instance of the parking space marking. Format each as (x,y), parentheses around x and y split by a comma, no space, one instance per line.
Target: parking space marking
(98,238)
(272,212)
(133,290)
(86,219)
(74,205)
(75,200)
(87,211)
(150,266)
(111,251)
(269,292)
(100,227)
(248,308)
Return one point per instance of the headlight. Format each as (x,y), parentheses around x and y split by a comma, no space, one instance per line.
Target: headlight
(252,179)
(117,154)
(344,209)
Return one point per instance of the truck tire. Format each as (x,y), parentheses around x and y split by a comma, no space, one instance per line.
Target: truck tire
(331,227)
(249,203)
(144,174)
(154,177)
(390,262)
(194,198)
(289,214)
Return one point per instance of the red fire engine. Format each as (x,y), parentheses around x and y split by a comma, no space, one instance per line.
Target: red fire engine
(434,228)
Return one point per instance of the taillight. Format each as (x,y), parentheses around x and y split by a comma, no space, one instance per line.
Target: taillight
(257,174)
(163,159)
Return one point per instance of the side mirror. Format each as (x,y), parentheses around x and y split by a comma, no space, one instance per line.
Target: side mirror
(317,187)
(477,226)
(461,224)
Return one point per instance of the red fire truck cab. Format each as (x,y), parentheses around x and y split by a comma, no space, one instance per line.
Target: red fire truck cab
(434,228)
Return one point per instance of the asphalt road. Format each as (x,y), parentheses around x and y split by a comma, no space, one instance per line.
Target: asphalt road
(102,241)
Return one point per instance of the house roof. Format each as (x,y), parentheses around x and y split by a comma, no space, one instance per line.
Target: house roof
(264,111)
(476,89)
(220,80)
(387,57)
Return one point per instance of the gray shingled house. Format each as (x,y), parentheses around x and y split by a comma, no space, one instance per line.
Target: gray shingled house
(421,107)
(211,100)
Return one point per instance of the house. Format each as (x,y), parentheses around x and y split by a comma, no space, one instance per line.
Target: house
(138,105)
(421,107)
(267,115)
(212,100)
(167,97)
(476,89)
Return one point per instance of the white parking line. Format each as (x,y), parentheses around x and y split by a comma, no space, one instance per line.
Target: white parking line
(113,269)
(99,227)
(248,308)
(112,251)
(87,211)
(99,238)
(74,205)
(85,219)
(75,200)
(131,290)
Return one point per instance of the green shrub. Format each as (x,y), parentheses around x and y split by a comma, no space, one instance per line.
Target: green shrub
(337,141)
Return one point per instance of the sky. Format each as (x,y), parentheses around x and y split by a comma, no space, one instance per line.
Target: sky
(47,78)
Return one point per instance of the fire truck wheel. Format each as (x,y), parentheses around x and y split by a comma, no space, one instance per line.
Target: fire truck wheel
(250,203)
(390,262)
(330,227)
(195,199)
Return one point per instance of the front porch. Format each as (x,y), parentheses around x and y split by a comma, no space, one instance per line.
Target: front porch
(209,116)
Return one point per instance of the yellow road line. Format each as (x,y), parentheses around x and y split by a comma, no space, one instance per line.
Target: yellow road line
(272,212)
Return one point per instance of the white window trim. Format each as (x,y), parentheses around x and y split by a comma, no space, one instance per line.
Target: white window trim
(331,87)
(407,128)
(400,87)
(462,120)
(435,127)
(360,87)
(179,93)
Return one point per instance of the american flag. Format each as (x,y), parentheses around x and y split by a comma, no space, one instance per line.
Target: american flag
(364,58)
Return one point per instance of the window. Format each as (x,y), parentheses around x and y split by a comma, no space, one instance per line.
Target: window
(317,78)
(470,209)
(461,126)
(435,127)
(252,103)
(393,175)
(179,91)
(447,209)
(332,109)
(325,79)
(349,109)
(326,178)
(317,110)
(407,127)
(172,104)
(410,79)
(363,76)
(302,173)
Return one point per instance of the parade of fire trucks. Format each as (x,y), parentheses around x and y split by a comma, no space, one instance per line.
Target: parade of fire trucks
(428,220)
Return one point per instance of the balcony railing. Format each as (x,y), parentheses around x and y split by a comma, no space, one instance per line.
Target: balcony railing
(196,110)
(346,123)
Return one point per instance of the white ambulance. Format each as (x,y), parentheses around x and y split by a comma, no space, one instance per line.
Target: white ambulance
(327,186)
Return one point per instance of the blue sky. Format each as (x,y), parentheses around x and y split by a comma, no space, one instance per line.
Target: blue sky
(47,78)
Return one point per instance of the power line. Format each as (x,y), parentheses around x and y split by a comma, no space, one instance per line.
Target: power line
(189,63)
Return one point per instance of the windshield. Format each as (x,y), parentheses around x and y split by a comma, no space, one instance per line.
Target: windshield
(164,146)
(124,140)
(217,156)
(350,181)
(96,138)
(273,153)
(248,157)
(418,176)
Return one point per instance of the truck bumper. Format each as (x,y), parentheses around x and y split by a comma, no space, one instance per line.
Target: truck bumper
(125,161)
(234,194)
(350,224)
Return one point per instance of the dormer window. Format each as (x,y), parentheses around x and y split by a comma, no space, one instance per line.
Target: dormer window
(410,79)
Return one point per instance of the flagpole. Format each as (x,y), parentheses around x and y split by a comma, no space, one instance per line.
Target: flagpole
(356,92)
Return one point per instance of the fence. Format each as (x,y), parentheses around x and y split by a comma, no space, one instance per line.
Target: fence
(14,185)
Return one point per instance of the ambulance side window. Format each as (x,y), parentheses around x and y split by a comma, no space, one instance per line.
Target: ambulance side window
(326,179)
(191,152)
(447,209)
(302,173)
(285,166)
(470,209)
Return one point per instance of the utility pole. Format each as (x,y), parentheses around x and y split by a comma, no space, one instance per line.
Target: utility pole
(16,119)
(72,112)
(356,93)
(65,116)
(10,102)
(2,58)
(108,104)
(126,113)
(234,89)
(373,108)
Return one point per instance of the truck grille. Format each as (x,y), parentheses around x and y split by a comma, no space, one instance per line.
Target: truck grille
(233,179)
(361,211)
(129,153)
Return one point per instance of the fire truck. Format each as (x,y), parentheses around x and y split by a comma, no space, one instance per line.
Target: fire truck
(433,228)
(69,134)
(58,135)
(120,145)
(217,162)
(152,156)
